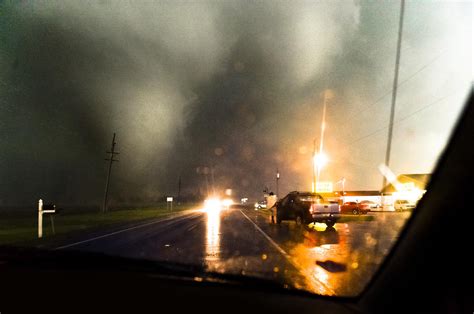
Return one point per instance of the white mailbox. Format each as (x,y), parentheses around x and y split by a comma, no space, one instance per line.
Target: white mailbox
(44,209)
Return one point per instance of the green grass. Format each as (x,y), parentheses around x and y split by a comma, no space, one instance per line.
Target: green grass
(347,218)
(22,229)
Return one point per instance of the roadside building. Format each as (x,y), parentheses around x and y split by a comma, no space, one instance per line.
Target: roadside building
(406,187)
(353,196)
(409,187)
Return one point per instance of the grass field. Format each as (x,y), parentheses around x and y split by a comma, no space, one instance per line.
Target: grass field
(22,229)
(347,218)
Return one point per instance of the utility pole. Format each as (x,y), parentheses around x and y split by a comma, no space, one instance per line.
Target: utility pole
(179,189)
(343,190)
(313,186)
(342,181)
(394,90)
(212,179)
(111,159)
(207,183)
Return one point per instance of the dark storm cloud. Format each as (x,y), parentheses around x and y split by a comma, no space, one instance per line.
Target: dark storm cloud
(56,125)
(188,87)
(69,68)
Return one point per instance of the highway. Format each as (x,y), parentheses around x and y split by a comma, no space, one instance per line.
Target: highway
(240,240)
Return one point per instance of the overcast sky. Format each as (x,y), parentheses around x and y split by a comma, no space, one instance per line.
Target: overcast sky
(233,85)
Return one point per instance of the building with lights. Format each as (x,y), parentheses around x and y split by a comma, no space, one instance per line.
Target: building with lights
(410,187)
(406,187)
(353,196)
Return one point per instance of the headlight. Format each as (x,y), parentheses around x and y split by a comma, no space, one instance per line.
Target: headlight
(212,204)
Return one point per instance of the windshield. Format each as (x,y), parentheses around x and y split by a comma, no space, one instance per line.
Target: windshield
(169,131)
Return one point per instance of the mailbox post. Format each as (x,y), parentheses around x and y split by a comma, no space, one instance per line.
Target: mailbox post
(169,203)
(42,209)
(40,218)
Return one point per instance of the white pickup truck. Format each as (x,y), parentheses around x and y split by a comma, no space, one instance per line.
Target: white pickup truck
(304,208)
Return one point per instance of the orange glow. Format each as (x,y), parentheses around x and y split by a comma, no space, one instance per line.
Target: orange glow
(227,202)
(320,160)
(213,234)
(212,204)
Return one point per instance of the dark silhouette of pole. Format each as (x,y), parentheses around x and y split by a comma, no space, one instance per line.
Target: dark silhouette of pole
(207,183)
(212,178)
(179,189)
(111,159)
(394,91)
(314,166)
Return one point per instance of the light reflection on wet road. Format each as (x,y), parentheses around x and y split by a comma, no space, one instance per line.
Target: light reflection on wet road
(328,261)
(339,260)
(213,236)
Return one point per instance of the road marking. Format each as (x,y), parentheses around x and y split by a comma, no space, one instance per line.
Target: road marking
(279,249)
(307,275)
(124,230)
(192,227)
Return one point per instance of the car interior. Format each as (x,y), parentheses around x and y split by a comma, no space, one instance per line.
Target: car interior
(427,270)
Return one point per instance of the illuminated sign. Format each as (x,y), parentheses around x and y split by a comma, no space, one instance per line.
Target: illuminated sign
(324,187)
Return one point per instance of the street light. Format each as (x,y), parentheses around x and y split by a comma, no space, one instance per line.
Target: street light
(277,178)
(320,160)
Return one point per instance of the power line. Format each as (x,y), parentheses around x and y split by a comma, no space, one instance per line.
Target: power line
(401,119)
(425,107)
(390,91)
(368,135)
(402,82)
(111,159)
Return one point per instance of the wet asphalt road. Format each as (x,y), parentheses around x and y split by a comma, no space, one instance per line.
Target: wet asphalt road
(336,261)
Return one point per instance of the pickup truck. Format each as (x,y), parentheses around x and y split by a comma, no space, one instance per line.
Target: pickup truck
(305,208)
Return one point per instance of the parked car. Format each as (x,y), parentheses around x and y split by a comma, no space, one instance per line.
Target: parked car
(305,208)
(369,204)
(261,204)
(354,208)
(401,205)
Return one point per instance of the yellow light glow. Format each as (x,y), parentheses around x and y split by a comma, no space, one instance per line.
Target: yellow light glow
(413,196)
(213,235)
(227,202)
(320,160)
(319,226)
(212,204)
